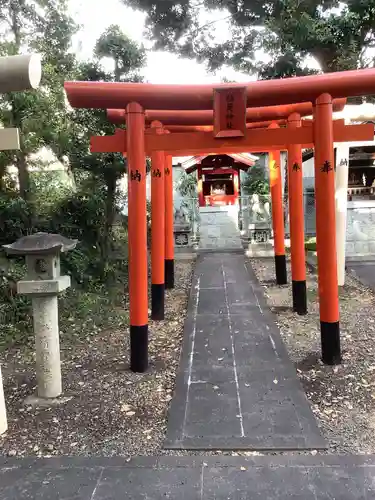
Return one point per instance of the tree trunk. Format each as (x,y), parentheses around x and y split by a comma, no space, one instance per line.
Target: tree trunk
(23,176)
(2,175)
(24,186)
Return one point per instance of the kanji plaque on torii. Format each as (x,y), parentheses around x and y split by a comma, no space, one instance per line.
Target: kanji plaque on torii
(230,112)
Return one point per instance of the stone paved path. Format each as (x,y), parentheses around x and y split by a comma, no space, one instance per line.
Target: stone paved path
(189,478)
(237,388)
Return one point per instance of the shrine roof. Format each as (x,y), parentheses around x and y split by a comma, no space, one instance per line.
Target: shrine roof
(191,164)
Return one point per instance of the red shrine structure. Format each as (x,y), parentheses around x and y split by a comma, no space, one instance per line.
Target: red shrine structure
(218,177)
(227,105)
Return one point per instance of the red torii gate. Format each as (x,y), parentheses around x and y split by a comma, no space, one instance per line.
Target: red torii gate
(109,95)
(293,113)
(255,140)
(206,117)
(262,140)
(318,89)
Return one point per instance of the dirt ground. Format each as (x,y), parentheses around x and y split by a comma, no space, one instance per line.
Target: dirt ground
(342,397)
(110,411)
(114,412)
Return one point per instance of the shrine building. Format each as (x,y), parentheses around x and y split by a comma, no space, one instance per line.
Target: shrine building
(218,177)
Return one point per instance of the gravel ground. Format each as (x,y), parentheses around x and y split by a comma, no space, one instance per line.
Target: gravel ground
(114,412)
(342,397)
(111,411)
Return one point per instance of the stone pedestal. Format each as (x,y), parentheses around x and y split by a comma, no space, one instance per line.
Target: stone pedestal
(182,235)
(47,346)
(258,250)
(182,230)
(259,232)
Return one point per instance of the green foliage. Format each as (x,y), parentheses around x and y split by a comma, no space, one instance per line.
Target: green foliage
(15,311)
(255,181)
(14,218)
(81,200)
(48,189)
(310,246)
(187,185)
(336,34)
(80,215)
(128,57)
(81,312)
(42,26)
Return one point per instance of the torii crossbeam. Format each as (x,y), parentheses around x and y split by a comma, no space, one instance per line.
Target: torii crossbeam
(186,143)
(206,117)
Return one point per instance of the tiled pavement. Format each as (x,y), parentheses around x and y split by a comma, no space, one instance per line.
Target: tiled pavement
(189,478)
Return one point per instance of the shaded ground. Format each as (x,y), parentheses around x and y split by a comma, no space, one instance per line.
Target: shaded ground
(342,397)
(112,411)
(189,478)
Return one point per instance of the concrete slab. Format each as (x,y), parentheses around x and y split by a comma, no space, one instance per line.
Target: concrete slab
(189,478)
(364,271)
(236,388)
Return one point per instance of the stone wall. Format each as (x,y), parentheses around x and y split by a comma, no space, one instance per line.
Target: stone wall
(360,229)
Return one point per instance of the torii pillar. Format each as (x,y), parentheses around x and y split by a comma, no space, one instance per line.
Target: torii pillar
(296,218)
(157,229)
(277,214)
(137,230)
(17,73)
(326,231)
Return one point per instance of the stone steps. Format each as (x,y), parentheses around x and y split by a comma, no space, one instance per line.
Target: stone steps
(219,228)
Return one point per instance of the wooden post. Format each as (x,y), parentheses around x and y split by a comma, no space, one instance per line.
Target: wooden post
(296,220)
(137,234)
(20,72)
(276,190)
(157,229)
(169,220)
(326,231)
(341,195)
(3,411)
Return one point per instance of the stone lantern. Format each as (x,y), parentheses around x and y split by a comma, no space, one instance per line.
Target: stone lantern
(17,73)
(42,284)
